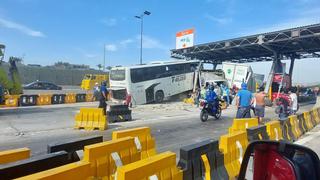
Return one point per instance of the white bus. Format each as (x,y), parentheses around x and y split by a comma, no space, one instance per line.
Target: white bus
(152,82)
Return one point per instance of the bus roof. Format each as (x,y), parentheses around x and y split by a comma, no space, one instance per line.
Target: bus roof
(157,63)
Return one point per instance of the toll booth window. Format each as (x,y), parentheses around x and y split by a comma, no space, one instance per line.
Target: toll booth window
(117,75)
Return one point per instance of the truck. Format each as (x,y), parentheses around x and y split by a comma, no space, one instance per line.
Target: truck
(89,80)
(236,74)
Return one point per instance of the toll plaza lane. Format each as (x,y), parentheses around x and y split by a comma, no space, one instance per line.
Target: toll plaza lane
(173,125)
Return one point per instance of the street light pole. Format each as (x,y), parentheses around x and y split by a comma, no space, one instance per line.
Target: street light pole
(104,58)
(141,40)
(141,28)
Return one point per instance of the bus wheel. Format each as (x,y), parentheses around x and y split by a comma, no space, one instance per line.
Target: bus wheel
(159,96)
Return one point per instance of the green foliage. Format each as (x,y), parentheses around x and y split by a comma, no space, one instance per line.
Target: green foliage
(4,80)
(99,66)
(16,81)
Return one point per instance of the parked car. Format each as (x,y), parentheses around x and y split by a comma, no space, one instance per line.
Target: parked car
(42,85)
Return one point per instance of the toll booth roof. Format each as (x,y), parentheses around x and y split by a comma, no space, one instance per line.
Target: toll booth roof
(300,42)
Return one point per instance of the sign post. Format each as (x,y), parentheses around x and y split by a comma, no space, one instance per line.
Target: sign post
(185,39)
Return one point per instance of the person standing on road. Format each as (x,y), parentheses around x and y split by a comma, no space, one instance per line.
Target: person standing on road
(96,92)
(260,105)
(244,99)
(226,94)
(293,101)
(197,97)
(217,90)
(103,97)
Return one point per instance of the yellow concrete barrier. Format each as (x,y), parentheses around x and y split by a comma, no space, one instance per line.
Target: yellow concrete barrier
(90,119)
(142,137)
(107,156)
(302,123)
(44,99)
(307,118)
(160,167)
(207,168)
(295,129)
(78,170)
(11,101)
(233,146)
(70,98)
(188,100)
(274,130)
(316,115)
(242,124)
(14,155)
(89,97)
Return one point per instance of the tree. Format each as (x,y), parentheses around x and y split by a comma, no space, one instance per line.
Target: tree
(108,68)
(99,66)
(16,59)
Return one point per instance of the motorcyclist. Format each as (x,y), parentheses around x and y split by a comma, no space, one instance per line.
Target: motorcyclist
(211,96)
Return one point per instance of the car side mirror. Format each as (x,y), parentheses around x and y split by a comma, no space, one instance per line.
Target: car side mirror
(279,160)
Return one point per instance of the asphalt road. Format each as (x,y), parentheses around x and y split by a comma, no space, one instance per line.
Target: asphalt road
(173,125)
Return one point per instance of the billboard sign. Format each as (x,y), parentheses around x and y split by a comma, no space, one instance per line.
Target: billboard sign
(184,39)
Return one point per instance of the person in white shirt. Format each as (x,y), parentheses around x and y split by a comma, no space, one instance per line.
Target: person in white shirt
(294,101)
(96,92)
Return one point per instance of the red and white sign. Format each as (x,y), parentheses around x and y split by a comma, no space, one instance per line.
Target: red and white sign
(184,39)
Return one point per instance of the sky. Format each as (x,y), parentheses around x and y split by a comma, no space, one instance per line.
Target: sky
(77,31)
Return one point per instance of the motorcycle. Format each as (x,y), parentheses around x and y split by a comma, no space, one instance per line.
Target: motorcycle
(207,110)
(283,108)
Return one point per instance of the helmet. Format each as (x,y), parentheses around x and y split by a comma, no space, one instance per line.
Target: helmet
(243,86)
(104,83)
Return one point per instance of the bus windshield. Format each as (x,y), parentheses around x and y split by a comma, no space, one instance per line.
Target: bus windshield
(117,75)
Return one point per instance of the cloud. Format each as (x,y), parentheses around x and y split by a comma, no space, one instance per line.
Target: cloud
(280,26)
(90,55)
(110,22)
(151,43)
(302,17)
(220,20)
(19,27)
(111,47)
(125,42)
